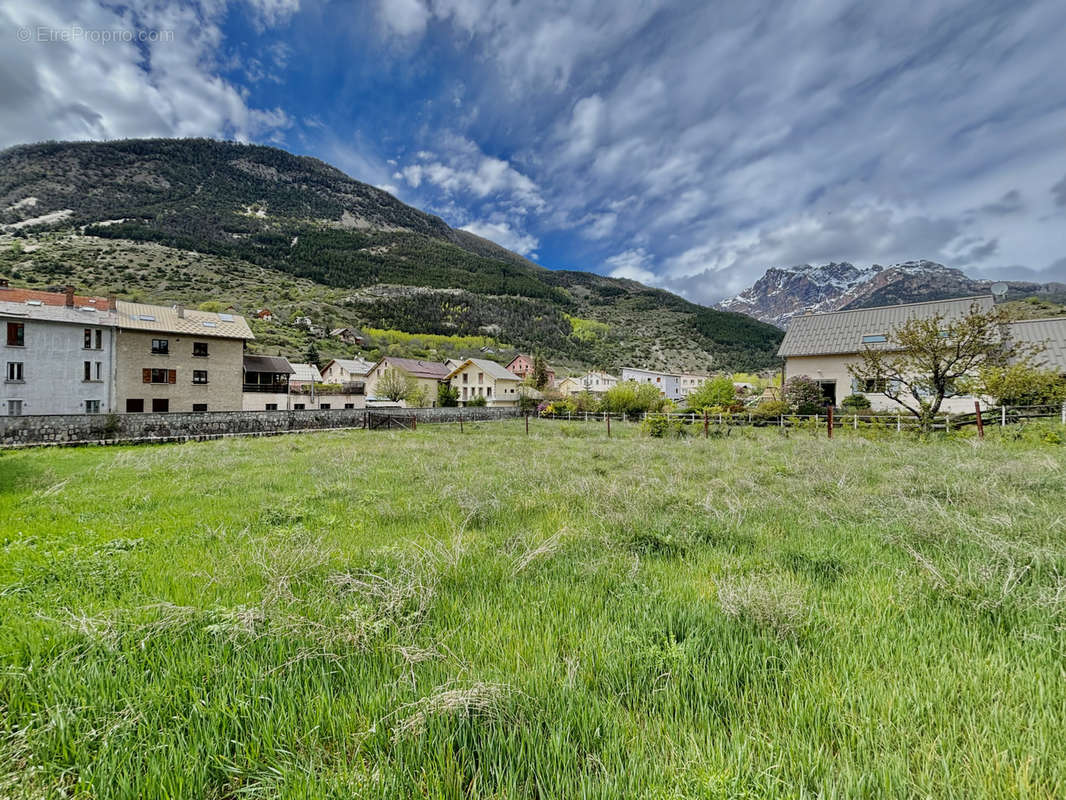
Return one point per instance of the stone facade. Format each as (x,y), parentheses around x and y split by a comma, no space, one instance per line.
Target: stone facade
(136,361)
(71,429)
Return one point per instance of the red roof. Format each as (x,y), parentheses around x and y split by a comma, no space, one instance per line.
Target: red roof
(10,294)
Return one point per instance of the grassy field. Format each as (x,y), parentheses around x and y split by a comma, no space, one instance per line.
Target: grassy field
(431,614)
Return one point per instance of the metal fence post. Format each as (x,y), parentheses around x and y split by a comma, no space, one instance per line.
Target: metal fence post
(1003,416)
(856,425)
(1064,412)
(899,423)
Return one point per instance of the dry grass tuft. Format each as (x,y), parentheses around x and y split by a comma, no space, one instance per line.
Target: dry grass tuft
(481,701)
(775,602)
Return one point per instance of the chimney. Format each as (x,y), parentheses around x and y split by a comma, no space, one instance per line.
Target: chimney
(112,303)
(181,310)
(69,290)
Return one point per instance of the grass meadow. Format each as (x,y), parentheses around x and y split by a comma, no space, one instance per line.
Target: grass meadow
(439,615)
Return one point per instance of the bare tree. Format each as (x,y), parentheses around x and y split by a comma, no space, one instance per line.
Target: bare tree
(926,360)
(394,385)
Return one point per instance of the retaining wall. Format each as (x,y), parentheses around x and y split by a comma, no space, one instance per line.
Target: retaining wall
(72,429)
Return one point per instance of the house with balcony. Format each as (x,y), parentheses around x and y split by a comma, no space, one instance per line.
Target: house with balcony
(56,352)
(421,374)
(668,383)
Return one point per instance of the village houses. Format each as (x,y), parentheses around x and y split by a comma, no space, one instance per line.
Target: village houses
(522,366)
(346,370)
(668,383)
(477,377)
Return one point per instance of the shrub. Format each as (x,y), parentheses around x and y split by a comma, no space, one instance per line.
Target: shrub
(661,427)
(803,394)
(716,393)
(767,601)
(1021,385)
(856,402)
(770,409)
(476,402)
(630,397)
(447,395)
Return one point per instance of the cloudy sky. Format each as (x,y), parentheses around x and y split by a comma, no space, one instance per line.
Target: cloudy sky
(687,145)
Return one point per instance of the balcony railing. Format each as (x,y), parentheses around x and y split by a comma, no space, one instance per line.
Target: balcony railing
(272,388)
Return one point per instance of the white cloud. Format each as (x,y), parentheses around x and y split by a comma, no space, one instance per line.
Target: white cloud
(632,264)
(502,233)
(89,89)
(404,17)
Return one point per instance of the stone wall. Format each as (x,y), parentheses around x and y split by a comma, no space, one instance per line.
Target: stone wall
(72,429)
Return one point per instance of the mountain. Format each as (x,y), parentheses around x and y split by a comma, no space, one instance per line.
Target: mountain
(195,220)
(784,292)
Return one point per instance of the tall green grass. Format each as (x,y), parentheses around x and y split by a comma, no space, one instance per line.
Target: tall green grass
(429,614)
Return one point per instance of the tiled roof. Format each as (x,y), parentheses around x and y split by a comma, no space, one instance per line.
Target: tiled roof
(165,319)
(276,364)
(12,295)
(497,371)
(1049,333)
(418,368)
(841,332)
(306,372)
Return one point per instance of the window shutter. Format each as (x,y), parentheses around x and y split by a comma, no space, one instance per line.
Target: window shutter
(146,375)
(172,376)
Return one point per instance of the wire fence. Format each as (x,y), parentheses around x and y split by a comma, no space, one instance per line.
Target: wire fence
(898,420)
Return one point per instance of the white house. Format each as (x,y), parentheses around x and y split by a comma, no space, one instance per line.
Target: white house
(57,352)
(477,377)
(345,370)
(688,382)
(597,382)
(668,383)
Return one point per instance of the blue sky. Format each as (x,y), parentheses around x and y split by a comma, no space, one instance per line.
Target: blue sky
(687,145)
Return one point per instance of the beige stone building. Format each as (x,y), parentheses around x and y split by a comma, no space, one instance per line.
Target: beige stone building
(172,359)
(821,346)
(426,375)
(477,377)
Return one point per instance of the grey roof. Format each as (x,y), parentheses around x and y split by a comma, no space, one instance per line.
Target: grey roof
(841,332)
(79,315)
(417,368)
(275,364)
(306,372)
(356,366)
(165,319)
(497,371)
(1049,333)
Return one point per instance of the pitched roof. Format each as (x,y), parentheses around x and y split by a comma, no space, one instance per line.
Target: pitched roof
(79,315)
(9,294)
(356,366)
(276,364)
(417,368)
(497,371)
(165,319)
(1048,333)
(306,372)
(840,332)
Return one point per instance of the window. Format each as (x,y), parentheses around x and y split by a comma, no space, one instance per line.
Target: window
(298,406)
(99,339)
(874,385)
(134,406)
(349,405)
(160,405)
(323,406)
(16,335)
(14,408)
(87,341)
(160,347)
(97,370)
(488,392)
(481,377)
(92,406)
(15,371)
(199,376)
(271,406)
(87,370)
(199,407)
(93,339)
(466,377)
(199,349)
(156,375)
(874,338)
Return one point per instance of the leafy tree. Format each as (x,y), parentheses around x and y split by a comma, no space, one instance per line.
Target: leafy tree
(586,401)
(477,401)
(631,397)
(447,395)
(394,385)
(929,359)
(804,394)
(211,305)
(716,393)
(1020,385)
(540,371)
(417,397)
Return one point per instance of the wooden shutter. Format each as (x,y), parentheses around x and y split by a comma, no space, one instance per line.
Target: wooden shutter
(172,376)
(146,375)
